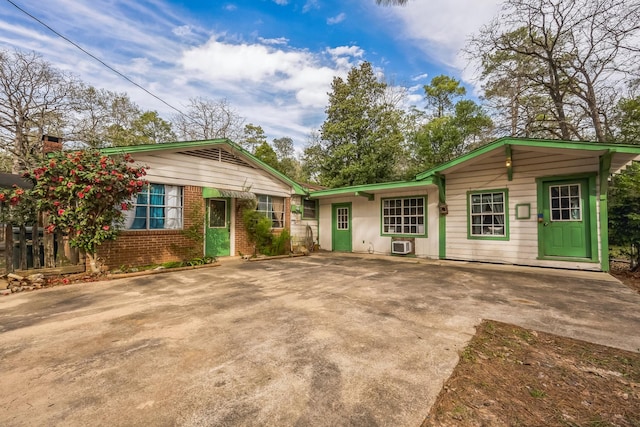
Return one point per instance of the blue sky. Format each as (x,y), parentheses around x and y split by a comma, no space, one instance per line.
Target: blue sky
(273,60)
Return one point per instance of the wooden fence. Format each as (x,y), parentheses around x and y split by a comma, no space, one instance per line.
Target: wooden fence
(28,250)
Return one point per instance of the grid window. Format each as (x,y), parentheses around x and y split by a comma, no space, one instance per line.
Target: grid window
(342,215)
(273,208)
(565,202)
(403,216)
(156,207)
(487,211)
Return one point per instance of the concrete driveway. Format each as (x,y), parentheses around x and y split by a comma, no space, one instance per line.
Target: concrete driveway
(321,340)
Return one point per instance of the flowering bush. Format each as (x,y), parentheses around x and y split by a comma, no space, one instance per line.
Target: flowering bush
(84,193)
(17,207)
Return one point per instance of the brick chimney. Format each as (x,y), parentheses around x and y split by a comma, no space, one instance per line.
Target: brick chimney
(51,144)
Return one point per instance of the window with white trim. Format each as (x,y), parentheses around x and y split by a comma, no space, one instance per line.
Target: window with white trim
(565,202)
(273,208)
(487,215)
(156,207)
(404,216)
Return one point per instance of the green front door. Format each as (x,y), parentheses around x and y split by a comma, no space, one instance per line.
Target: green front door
(341,227)
(217,241)
(565,226)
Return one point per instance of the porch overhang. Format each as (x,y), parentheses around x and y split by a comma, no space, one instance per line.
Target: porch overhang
(209,192)
(369,190)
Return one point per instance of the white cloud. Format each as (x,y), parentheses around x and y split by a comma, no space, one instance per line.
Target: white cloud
(309,5)
(276,41)
(440,32)
(420,77)
(182,30)
(281,2)
(336,19)
(230,7)
(276,71)
(354,51)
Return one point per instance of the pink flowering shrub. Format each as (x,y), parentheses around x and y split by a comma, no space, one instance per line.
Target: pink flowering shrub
(84,193)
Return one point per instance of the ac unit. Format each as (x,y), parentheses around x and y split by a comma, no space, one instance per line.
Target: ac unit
(401,247)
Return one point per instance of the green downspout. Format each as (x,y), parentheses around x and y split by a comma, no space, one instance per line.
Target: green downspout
(605,171)
(442,218)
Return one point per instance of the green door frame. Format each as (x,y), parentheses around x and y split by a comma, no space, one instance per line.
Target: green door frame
(218,238)
(590,205)
(335,233)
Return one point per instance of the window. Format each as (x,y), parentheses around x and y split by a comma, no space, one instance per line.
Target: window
(404,216)
(487,216)
(309,209)
(156,207)
(273,208)
(342,219)
(565,202)
(217,213)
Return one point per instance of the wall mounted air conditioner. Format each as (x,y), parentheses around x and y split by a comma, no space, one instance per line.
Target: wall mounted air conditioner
(400,247)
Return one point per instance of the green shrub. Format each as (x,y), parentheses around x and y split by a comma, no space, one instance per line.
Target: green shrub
(280,244)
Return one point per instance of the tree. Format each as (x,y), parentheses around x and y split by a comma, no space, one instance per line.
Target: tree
(265,153)
(85,193)
(106,119)
(288,164)
(150,128)
(33,100)
(454,128)
(624,212)
(253,137)
(628,120)
(284,148)
(208,119)
(441,94)
(312,158)
(361,137)
(574,53)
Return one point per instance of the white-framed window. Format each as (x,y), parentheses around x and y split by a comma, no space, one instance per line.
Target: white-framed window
(156,207)
(404,216)
(273,208)
(342,218)
(566,202)
(487,214)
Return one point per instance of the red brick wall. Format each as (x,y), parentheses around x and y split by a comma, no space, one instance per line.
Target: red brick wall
(145,247)
(241,239)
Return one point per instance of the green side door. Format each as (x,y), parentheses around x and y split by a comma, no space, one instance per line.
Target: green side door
(566,228)
(341,227)
(218,228)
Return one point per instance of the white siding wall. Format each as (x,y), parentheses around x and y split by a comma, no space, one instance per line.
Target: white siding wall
(366,223)
(180,169)
(489,174)
(299,225)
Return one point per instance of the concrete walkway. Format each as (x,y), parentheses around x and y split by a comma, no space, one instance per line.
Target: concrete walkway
(315,341)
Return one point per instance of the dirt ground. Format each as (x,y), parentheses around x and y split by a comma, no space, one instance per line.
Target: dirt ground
(510,376)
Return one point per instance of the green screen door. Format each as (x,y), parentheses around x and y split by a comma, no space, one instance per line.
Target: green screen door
(217,242)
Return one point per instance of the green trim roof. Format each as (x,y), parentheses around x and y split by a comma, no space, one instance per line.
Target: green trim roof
(369,187)
(205,143)
(429,176)
(527,142)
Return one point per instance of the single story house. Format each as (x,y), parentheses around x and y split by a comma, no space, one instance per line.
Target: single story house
(517,201)
(204,183)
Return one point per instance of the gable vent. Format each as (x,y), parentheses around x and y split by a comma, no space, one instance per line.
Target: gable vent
(218,155)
